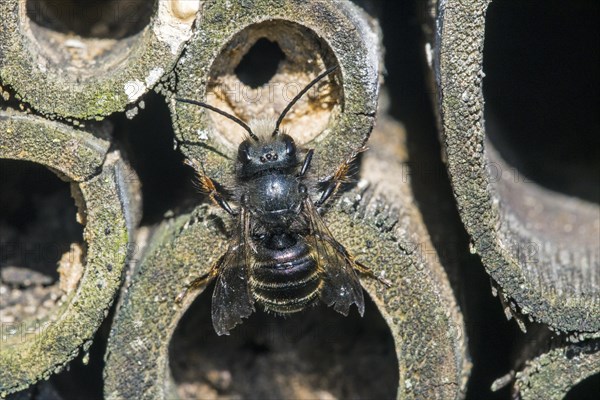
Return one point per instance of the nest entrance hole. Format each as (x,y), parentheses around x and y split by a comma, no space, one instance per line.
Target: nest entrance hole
(542,93)
(38,233)
(587,389)
(87,38)
(92,19)
(317,354)
(260,71)
(260,64)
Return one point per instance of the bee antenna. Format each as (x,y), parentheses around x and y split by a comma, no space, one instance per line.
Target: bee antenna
(223,113)
(298,96)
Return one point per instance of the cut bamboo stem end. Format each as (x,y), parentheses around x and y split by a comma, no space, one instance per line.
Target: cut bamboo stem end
(379,223)
(295,42)
(539,245)
(90,59)
(33,349)
(554,374)
(550,367)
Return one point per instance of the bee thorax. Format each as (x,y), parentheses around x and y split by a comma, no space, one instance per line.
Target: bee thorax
(275,198)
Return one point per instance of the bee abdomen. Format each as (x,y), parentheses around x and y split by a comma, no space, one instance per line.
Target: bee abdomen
(288,286)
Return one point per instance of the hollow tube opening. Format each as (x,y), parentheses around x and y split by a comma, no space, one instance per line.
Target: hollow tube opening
(41,244)
(260,71)
(316,353)
(86,38)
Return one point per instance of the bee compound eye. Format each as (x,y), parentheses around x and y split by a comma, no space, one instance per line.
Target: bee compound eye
(290,146)
(243,151)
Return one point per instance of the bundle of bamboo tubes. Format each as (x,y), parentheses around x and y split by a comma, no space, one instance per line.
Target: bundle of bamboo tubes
(485,236)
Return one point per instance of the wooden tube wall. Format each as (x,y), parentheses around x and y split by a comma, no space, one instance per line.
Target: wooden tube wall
(523,173)
(90,59)
(90,272)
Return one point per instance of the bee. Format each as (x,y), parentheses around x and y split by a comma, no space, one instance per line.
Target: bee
(280,255)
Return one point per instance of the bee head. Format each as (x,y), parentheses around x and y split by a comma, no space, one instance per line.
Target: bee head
(274,152)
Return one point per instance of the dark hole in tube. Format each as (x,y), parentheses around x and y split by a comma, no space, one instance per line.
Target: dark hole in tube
(147,138)
(37,219)
(315,353)
(260,64)
(100,19)
(542,92)
(586,389)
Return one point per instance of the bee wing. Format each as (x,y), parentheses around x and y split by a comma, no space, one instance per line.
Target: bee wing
(231,300)
(341,287)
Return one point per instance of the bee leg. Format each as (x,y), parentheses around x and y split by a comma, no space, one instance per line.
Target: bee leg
(363,269)
(360,267)
(201,280)
(195,284)
(208,186)
(327,193)
(221,202)
(338,178)
(306,164)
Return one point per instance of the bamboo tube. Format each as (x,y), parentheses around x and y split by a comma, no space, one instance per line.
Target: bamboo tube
(295,41)
(549,367)
(556,374)
(539,242)
(103,188)
(90,59)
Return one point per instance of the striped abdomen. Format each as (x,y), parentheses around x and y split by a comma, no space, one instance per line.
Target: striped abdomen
(285,278)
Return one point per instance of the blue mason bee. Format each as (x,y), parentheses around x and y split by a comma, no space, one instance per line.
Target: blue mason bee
(281,255)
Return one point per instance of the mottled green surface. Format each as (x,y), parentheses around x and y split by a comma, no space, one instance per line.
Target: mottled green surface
(93,92)
(547,274)
(38,349)
(77,154)
(377,220)
(553,374)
